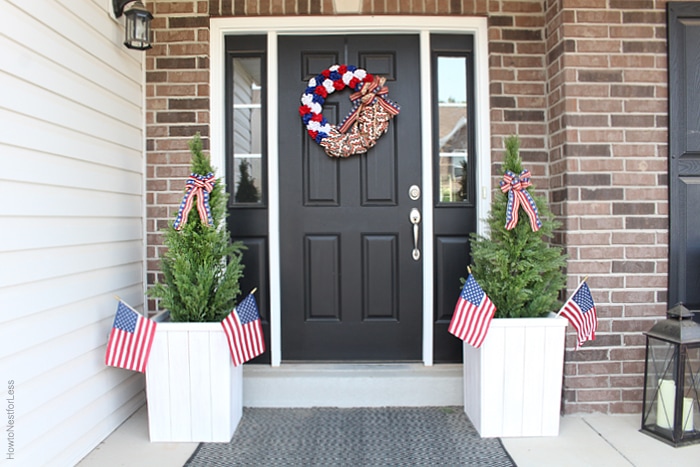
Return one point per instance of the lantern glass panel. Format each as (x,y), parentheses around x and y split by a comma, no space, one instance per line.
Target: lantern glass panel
(660,385)
(691,390)
(138,30)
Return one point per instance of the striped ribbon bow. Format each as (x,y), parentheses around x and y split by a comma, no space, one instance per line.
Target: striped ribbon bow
(199,186)
(515,186)
(366,97)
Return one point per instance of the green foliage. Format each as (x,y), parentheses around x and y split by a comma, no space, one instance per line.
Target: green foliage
(463,181)
(201,267)
(520,270)
(247,192)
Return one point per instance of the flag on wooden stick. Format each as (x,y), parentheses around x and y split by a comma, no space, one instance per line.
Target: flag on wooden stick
(130,341)
(473,314)
(579,309)
(244,331)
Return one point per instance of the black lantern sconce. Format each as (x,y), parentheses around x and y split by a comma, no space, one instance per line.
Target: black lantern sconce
(137,33)
(671,404)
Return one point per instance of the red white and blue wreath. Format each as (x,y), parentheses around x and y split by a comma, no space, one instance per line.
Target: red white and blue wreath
(368,120)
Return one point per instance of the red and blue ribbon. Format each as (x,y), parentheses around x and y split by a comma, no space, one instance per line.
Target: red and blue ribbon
(516,187)
(198,186)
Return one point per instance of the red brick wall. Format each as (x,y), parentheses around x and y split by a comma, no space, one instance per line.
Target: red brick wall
(609,176)
(517,57)
(583,82)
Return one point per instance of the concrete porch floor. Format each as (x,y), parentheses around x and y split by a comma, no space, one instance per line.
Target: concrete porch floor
(588,440)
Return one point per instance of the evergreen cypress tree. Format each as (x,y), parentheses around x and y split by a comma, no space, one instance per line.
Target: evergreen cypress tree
(201,267)
(247,192)
(463,181)
(520,270)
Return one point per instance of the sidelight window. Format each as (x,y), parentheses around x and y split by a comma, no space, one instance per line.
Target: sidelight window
(247,131)
(454,176)
(453,134)
(453,123)
(246,164)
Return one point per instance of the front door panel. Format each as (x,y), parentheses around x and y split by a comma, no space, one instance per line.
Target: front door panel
(351,288)
(684,152)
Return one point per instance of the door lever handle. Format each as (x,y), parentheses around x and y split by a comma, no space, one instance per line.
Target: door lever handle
(415,220)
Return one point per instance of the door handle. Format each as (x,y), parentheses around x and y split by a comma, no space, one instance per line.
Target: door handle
(415,220)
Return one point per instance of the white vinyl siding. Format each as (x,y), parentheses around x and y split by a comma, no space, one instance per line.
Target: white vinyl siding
(71,222)
(243,106)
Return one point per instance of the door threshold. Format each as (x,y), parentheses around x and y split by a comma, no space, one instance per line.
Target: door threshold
(352,385)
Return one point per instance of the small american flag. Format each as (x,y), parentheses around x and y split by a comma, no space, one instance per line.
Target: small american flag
(131,339)
(473,314)
(580,311)
(244,331)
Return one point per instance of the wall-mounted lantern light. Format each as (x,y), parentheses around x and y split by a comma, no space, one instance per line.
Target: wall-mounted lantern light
(137,34)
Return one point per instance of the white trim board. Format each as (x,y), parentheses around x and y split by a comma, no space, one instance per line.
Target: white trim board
(273,27)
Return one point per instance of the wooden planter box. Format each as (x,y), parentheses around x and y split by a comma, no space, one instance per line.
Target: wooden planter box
(194,392)
(513,382)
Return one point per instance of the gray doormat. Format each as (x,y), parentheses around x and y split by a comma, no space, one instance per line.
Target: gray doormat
(387,436)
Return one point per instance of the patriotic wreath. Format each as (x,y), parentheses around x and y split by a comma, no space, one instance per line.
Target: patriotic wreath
(368,120)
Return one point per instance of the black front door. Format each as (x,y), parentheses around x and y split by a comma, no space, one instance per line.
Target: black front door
(684,153)
(351,289)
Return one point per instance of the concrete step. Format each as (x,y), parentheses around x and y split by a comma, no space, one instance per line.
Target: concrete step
(352,385)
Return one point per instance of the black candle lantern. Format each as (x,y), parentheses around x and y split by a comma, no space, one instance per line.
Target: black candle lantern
(671,404)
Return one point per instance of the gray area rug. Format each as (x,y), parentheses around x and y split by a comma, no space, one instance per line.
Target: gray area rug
(387,436)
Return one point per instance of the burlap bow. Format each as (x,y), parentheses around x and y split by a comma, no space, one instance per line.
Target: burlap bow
(367,96)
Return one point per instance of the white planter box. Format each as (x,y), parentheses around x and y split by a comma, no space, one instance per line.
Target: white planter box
(194,392)
(512,384)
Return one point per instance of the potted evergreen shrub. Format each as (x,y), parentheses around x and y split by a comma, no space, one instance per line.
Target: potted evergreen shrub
(194,392)
(513,382)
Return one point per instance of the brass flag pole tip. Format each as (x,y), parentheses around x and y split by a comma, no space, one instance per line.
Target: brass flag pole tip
(253,291)
(469,269)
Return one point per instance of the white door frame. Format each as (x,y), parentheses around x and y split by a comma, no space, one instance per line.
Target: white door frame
(305,25)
